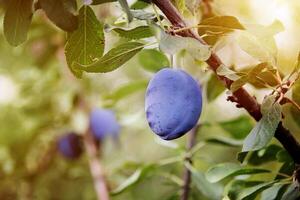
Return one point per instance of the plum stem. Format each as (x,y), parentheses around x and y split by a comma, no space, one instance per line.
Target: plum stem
(187,173)
(244,99)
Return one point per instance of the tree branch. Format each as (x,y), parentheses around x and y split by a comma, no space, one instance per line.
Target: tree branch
(96,167)
(244,99)
(187,173)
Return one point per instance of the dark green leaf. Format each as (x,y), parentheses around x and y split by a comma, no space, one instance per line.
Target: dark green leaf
(234,188)
(114,59)
(264,155)
(17,20)
(153,60)
(87,42)
(96,2)
(224,170)
(239,127)
(252,192)
(135,33)
(61,13)
(214,88)
(265,129)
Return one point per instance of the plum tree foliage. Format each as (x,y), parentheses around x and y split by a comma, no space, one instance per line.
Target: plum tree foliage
(141,45)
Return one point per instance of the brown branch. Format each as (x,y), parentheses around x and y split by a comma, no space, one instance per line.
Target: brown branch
(187,173)
(96,168)
(243,98)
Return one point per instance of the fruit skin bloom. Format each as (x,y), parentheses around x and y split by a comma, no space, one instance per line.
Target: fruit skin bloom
(173,103)
(103,123)
(70,145)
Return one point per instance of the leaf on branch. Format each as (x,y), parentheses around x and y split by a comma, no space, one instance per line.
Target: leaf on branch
(265,129)
(215,27)
(258,41)
(135,33)
(173,44)
(114,59)
(222,70)
(153,60)
(61,13)
(252,192)
(17,20)
(225,170)
(87,42)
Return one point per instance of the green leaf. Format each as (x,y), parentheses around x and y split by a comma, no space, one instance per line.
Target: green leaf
(215,27)
(214,88)
(127,90)
(224,170)
(17,20)
(139,5)
(239,83)
(211,190)
(126,8)
(265,129)
(271,193)
(239,127)
(264,155)
(171,44)
(153,60)
(133,179)
(222,70)
(96,2)
(135,33)
(292,192)
(234,188)
(224,141)
(252,192)
(61,13)
(115,58)
(87,42)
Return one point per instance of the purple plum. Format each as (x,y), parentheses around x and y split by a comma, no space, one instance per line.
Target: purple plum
(70,145)
(103,123)
(173,103)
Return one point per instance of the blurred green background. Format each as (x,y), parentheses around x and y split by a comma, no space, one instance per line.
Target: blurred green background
(38,104)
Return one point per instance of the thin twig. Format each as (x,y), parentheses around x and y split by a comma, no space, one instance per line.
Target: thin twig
(187,174)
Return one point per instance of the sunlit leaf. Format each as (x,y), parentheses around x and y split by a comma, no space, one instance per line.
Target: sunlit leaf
(17,20)
(173,44)
(113,59)
(235,187)
(271,193)
(61,13)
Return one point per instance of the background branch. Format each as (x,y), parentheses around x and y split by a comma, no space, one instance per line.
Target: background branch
(244,99)
(187,173)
